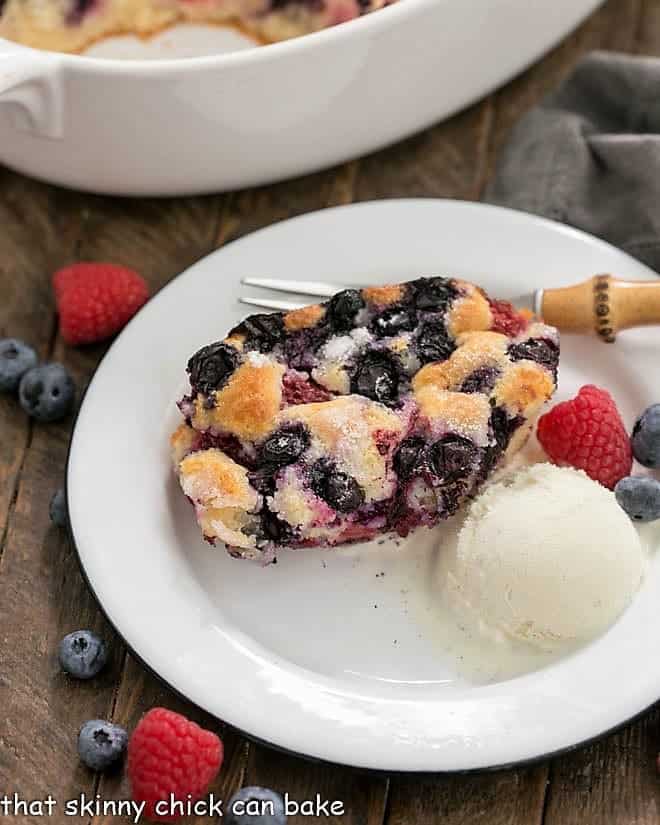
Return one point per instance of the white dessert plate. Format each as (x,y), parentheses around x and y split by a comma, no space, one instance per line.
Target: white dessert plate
(337,654)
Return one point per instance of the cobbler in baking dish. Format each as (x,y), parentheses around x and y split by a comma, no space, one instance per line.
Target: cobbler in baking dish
(72,25)
(379,411)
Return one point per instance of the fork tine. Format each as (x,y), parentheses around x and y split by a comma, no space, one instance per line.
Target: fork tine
(316,288)
(268,303)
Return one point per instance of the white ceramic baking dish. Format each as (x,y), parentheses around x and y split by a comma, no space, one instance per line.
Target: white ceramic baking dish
(202,124)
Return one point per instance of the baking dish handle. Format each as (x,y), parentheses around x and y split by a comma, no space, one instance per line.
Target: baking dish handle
(31,89)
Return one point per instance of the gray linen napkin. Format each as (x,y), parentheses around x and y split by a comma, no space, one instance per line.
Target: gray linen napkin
(589,154)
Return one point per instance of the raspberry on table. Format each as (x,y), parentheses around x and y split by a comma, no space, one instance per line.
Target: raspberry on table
(168,755)
(96,300)
(588,433)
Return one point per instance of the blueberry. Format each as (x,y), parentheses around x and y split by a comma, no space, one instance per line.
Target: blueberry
(481,380)
(646,437)
(101,743)
(284,446)
(255,806)
(79,10)
(339,490)
(540,350)
(57,509)
(342,309)
(409,457)
(393,322)
(272,528)
(640,497)
(453,456)
(47,392)
(16,358)
(211,366)
(433,342)
(82,654)
(433,293)
(377,377)
(262,332)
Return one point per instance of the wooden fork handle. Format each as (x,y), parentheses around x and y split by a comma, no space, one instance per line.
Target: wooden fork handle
(602,304)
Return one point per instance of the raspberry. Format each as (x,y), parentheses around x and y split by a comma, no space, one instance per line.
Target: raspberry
(298,389)
(170,755)
(96,300)
(588,433)
(507,319)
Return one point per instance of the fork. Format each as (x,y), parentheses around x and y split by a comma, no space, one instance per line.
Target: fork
(602,304)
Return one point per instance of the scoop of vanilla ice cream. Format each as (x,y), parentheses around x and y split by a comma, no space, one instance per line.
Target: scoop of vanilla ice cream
(546,556)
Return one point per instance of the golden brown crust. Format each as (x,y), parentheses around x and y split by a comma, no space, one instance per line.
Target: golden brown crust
(212,479)
(345,428)
(469,313)
(304,317)
(467,415)
(524,387)
(476,349)
(181,442)
(248,405)
(383,295)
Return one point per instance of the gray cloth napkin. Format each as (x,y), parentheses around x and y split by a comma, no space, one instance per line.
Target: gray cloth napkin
(589,154)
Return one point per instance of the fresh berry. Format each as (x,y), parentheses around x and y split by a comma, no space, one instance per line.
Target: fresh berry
(16,358)
(377,377)
(640,497)
(100,744)
(57,509)
(507,319)
(393,321)
(433,293)
(452,457)
(646,437)
(339,490)
(255,806)
(408,457)
(82,654)
(587,433)
(262,332)
(433,343)
(211,366)
(47,392)
(342,309)
(284,446)
(95,300)
(170,756)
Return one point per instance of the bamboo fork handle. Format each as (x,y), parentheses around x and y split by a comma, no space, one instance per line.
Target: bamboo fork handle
(602,304)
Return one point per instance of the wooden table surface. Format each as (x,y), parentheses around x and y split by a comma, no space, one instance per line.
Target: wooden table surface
(42,594)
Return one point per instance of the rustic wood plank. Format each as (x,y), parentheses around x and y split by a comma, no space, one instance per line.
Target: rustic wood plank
(42,595)
(445,161)
(613,782)
(503,798)
(612,27)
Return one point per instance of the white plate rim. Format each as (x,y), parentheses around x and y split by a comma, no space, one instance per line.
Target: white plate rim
(381,765)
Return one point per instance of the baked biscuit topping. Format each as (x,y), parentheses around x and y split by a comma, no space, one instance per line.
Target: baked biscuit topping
(381,410)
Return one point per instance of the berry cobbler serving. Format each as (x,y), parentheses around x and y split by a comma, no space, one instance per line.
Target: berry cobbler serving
(382,410)
(72,25)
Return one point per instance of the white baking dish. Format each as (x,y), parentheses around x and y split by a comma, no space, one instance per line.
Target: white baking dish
(172,127)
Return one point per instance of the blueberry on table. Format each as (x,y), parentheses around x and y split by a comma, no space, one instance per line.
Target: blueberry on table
(57,509)
(646,437)
(255,806)
(639,497)
(101,744)
(47,392)
(82,654)
(16,358)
